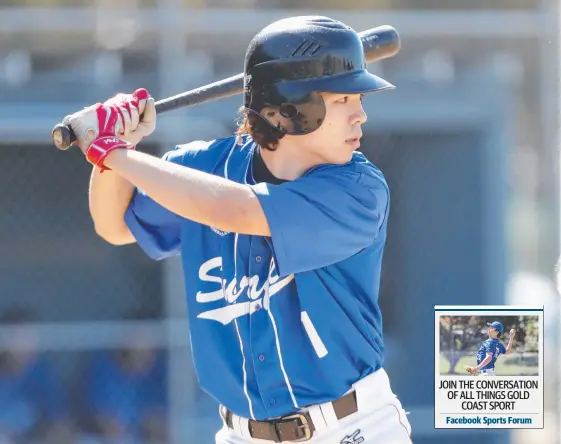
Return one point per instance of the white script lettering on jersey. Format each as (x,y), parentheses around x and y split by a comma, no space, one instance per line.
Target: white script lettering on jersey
(231,291)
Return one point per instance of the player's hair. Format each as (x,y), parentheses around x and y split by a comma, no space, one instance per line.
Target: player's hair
(260,131)
(499,333)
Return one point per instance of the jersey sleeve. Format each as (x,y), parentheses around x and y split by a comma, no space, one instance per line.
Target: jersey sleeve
(324,217)
(489,346)
(156,229)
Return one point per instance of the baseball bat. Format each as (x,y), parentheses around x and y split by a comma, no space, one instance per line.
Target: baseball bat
(379,43)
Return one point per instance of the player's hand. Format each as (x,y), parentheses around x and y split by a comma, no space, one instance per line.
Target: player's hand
(512,333)
(471,370)
(142,120)
(119,116)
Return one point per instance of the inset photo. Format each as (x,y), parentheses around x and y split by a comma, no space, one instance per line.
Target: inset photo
(474,345)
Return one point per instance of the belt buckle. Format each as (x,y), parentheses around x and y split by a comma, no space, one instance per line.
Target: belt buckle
(305,426)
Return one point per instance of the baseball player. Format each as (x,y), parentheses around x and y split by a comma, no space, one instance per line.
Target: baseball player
(491,349)
(281,229)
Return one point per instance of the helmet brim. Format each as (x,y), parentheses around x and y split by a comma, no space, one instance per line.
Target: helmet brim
(360,82)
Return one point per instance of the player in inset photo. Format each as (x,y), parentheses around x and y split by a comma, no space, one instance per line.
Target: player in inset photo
(490,350)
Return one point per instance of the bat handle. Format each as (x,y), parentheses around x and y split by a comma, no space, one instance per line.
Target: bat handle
(63,136)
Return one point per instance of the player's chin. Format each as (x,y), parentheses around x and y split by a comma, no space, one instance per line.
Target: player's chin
(343,158)
(347,150)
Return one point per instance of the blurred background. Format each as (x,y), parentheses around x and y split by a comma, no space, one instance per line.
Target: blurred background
(94,343)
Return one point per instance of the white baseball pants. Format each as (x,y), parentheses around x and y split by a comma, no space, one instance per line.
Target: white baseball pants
(380,419)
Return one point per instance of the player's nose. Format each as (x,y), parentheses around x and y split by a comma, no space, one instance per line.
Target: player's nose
(358,115)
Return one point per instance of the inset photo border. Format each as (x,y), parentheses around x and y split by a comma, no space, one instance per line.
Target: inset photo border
(465,339)
(489,366)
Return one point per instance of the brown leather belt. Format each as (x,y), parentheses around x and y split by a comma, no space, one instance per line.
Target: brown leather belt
(295,427)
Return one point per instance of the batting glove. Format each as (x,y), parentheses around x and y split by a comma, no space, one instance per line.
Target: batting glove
(139,114)
(119,123)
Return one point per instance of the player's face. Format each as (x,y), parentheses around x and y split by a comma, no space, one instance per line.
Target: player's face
(340,133)
(492,332)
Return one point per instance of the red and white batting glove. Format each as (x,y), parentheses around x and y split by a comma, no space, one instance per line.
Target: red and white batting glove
(114,124)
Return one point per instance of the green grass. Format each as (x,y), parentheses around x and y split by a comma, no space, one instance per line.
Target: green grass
(510,365)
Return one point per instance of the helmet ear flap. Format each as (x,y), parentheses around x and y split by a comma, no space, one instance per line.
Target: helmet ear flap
(302,115)
(288,110)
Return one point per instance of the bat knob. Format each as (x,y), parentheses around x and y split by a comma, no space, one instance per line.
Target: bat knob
(63,136)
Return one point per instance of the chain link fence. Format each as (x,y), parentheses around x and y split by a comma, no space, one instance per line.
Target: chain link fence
(69,369)
(50,251)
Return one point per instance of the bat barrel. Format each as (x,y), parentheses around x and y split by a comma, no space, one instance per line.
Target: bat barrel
(380,43)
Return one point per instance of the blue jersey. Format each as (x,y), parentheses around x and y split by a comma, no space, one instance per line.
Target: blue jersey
(490,346)
(278,323)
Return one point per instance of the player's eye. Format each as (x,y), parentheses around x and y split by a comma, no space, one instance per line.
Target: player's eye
(344,99)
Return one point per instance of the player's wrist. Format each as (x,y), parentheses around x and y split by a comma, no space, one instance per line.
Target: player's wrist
(102,148)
